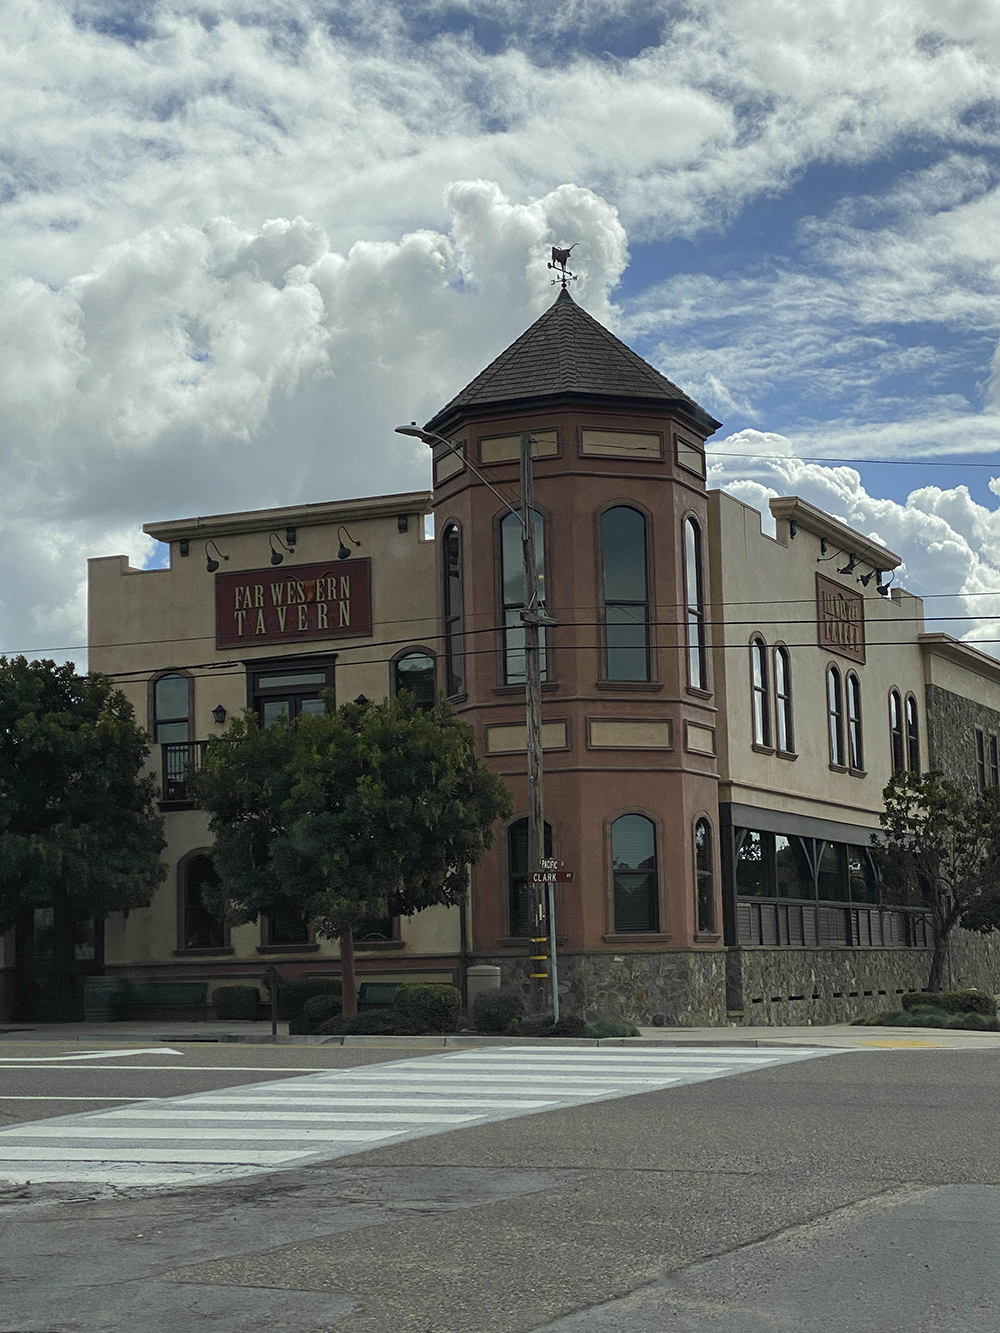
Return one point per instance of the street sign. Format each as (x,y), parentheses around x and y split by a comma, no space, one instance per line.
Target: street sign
(552,877)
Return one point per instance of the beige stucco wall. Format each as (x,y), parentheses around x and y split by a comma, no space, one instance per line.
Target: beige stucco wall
(767,586)
(147,622)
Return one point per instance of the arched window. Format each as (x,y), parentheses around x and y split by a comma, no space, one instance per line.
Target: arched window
(896,732)
(414,673)
(518,888)
(855,740)
(705,878)
(758,687)
(626,594)
(912,735)
(201,927)
(451,550)
(695,606)
(512,575)
(835,716)
(784,733)
(636,882)
(171,709)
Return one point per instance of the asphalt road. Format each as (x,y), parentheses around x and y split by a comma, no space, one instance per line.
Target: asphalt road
(860,1190)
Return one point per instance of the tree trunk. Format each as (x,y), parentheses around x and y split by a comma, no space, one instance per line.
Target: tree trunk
(347,981)
(938,958)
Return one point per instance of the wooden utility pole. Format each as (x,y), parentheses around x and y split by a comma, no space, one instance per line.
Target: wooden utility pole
(532,619)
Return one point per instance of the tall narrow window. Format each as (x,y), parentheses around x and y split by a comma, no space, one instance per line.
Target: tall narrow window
(835,716)
(855,740)
(695,606)
(896,732)
(913,736)
(705,877)
(980,758)
(633,863)
(994,763)
(414,673)
(784,735)
(758,688)
(202,927)
(171,708)
(518,888)
(512,573)
(451,550)
(626,595)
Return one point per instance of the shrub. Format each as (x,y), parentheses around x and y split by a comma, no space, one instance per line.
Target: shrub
(977,1022)
(292,995)
(954,1002)
(570,1026)
(427,1007)
(497,1012)
(612,1027)
(235,1002)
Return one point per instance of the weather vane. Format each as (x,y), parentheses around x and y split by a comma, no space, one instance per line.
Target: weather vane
(560,258)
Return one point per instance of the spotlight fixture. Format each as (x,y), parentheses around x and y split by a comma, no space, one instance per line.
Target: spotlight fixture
(210,564)
(276,555)
(850,567)
(883,588)
(865,579)
(361,700)
(345,552)
(219,713)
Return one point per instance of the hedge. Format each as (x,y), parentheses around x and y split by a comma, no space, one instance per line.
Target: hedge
(231,1002)
(497,1012)
(954,1002)
(428,1007)
(292,995)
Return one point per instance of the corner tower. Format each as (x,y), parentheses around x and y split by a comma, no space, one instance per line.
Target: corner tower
(628,713)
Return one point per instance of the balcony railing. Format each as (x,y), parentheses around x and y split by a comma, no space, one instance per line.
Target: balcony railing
(180,759)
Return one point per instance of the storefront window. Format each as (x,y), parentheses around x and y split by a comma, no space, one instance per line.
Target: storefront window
(792,871)
(753,878)
(633,860)
(626,599)
(705,877)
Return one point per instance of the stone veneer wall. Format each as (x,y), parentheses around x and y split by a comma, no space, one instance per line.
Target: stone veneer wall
(951,733)
(677,988)
(753,987)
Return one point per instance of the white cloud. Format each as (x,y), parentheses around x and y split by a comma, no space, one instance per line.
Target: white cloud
(949,543)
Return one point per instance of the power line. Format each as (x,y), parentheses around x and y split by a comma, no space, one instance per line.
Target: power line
(882,462)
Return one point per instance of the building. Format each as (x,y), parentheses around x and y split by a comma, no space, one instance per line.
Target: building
(721,708)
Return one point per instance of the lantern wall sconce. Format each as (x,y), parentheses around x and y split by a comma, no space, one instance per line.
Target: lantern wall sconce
(219,713)
(210,564)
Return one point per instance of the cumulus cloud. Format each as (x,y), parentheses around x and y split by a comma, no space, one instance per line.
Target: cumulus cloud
(950,544)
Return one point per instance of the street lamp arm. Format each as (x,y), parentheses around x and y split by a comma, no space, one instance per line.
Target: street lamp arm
(431,437)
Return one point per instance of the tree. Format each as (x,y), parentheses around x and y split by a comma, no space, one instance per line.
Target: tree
(940,849)
(79,828)
(368,811)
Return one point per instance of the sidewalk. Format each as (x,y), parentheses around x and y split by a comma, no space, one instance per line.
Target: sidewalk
(839,1036)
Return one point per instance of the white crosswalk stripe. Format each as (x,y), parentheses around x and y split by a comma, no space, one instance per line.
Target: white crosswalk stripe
(287,1122)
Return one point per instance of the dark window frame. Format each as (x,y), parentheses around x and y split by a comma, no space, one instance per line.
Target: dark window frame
(835,717)
(854,717)
(516,879)
(185,928)
(513,608)
(305,664)
(644,606)
(155,721)
(760,689)
(704,878)
(897,745)
(694,610)
(656,897)
(413,650)
(784,726)
(453,616)
(912,721)
(981,758)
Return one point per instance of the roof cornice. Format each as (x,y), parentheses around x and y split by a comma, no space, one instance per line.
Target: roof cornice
(954,650)
(791,508)
(290,516)
(448,416)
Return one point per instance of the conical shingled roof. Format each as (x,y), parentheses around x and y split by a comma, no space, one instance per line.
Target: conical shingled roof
(568,352)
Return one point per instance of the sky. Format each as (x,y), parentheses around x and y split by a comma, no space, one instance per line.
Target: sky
(239,242)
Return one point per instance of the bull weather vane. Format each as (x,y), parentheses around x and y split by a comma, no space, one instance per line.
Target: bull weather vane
(560,258)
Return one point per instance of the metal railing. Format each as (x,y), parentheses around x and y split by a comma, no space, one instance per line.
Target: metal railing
(179,760)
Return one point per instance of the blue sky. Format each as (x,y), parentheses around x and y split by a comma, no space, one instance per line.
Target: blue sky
(239,242)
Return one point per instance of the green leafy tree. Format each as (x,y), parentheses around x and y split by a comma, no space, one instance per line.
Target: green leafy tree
(372,810)
(940,849)
(79,825)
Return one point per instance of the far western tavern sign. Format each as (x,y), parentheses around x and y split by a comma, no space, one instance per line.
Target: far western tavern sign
(840,618)
(327,601)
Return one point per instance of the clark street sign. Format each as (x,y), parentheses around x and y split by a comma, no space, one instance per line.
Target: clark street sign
(552,877)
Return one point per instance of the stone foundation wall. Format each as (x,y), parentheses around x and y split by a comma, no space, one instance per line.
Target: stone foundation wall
(679,988)
(753,987)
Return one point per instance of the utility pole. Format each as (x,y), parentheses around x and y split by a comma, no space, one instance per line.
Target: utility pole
(533,618)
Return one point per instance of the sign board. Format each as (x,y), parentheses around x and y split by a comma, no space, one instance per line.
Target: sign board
(329,600)
(840,619)
(552,877)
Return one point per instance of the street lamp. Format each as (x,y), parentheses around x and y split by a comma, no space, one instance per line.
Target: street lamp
(534,619)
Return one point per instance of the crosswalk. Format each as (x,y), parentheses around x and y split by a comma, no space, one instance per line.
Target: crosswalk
(289,1122)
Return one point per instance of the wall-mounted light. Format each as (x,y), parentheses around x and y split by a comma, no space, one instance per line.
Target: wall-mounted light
(291,535)
(865,579)
(883,588)
(361,700)
(183,546)
(793,527)
(850,567)
(219,713)
(345,552)
(210,564)
(276,555)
